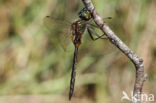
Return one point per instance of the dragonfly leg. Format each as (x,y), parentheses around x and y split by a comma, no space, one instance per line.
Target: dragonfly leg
(91,32)
(93,25)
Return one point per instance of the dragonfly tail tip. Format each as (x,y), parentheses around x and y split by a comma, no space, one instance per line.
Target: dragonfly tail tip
(70,96)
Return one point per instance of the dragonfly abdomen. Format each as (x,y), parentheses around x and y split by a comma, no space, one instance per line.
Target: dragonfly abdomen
(73,74)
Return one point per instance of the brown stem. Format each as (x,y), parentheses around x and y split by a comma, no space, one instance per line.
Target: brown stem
(137,61)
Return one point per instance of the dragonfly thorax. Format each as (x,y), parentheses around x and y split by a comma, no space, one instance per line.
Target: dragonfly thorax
(78,28)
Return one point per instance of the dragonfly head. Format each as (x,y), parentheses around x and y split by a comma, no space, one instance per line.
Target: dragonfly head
(85,14)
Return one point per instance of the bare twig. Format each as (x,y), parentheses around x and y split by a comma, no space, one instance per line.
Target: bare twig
(138,62)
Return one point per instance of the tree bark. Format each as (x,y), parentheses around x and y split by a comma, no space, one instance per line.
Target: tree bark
(137,61)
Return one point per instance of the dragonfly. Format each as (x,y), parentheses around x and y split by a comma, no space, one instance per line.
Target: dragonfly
(78,28)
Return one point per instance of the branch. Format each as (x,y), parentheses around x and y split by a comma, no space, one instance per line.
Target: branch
(138,62)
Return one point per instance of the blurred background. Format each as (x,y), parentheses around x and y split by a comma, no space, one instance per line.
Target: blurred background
(35,69)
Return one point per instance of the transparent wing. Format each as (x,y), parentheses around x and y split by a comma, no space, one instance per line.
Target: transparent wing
(66,39)
(50,21)
(59,30)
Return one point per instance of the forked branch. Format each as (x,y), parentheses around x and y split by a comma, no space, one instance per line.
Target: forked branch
(137,61)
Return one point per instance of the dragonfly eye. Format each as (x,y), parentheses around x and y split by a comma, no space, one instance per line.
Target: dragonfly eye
(85,14)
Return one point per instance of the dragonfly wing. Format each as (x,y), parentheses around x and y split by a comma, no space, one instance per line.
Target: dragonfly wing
(59,30)
(65,39)
(53,21)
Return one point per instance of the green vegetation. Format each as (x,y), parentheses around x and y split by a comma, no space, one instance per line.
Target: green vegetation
(32,61)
